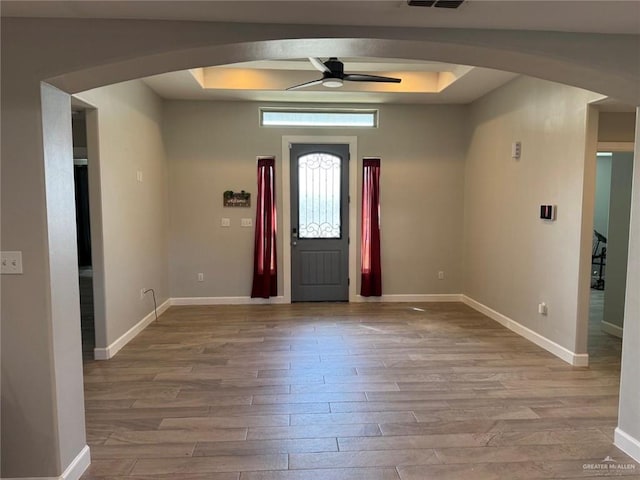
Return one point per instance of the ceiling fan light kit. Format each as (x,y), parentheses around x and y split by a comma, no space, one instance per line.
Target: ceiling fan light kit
(332,82)
(333,75)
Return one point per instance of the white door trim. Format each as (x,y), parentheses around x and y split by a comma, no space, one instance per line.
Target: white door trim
(354,168)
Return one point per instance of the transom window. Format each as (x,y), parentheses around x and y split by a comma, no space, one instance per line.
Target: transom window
(318,118)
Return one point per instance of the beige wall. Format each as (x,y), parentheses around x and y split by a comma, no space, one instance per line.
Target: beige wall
(63,271)
(616,126)
(603,194)
(134,214)
(618,237)
(628,432)
(40,312)
(514,260)
(212,147)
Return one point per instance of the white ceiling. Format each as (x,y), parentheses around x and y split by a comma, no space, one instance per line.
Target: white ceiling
(595,16)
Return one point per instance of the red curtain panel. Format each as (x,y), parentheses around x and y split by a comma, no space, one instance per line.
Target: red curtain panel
(371,281)
(265,279)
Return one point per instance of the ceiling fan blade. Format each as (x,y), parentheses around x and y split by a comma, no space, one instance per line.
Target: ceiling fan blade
(307,84)
(358,77)
(319,64)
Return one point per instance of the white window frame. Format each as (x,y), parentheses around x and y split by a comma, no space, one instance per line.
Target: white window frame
(373,112)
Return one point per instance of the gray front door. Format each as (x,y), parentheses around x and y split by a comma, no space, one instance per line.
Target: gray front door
(319,222)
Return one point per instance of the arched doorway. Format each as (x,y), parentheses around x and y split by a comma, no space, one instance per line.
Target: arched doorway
(144,49)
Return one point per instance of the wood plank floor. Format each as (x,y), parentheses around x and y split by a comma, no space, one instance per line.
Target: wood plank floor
(348,391)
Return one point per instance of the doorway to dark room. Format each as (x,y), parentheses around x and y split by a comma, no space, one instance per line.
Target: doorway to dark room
(83,230)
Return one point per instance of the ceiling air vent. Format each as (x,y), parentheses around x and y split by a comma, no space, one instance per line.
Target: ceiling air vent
(436,3)
(421,3)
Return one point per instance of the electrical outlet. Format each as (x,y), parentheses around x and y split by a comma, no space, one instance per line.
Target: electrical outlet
(142,290)
(440,275)
(11,263)
(542,308)
(139,176)
(225,222)
(201,277)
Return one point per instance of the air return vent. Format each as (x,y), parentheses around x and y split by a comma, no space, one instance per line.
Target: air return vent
(436,3)
(421,3)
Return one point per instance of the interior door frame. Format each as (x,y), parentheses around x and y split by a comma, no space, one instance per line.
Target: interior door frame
(285,181)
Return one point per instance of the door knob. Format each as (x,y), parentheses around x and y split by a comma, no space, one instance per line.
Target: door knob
(294,243)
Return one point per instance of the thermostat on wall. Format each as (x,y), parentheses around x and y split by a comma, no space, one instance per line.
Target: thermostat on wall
(548,212)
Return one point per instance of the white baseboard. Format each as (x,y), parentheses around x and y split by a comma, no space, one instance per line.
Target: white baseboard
(412,298)
(73,472)
(611,329)
(575,359)
(448,297)
(183,301)
(111,350)
(626,443)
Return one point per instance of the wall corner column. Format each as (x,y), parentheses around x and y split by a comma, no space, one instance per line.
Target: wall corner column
(627,435)
(42,402)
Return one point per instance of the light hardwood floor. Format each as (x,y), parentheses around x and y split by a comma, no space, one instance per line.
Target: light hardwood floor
(348,391)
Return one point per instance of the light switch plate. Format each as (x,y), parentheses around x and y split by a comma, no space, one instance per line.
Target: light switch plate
(11,263)
(226,222)
(516,150)
(246,222)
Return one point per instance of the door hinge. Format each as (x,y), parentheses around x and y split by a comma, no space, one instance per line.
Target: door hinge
(348,240)
(348,198)
(348,282)
(290,146)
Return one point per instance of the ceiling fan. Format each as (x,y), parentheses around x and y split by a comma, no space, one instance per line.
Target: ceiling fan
(333,75)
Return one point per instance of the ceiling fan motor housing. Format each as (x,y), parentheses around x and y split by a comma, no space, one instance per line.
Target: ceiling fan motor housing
(336,67)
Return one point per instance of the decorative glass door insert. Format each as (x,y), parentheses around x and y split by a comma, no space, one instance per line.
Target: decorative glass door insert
(319,196)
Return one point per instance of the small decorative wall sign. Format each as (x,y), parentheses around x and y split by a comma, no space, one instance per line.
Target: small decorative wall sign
(236,199)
